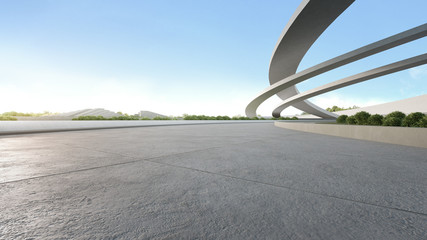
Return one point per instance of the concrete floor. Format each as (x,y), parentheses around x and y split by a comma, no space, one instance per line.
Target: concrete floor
(225,181)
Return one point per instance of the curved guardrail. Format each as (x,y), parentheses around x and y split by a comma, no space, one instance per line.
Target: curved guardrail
(306,25)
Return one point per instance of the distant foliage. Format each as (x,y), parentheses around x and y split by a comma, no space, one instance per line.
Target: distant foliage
(7,118)
(90,118)
(101,118)
(376,120)
(162,118)
(285,118)
(199,117)
(336,108)
(123,118)
(362,118)
(186,117)
(203,117)
(222,118)
(21,114)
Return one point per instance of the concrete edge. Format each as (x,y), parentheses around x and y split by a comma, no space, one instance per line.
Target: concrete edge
(66,126)
(414,137)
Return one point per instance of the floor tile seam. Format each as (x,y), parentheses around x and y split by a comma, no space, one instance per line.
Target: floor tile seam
(417,183)
(167,155)
(136,159)
(291,188)
(151,160)
(93,168)
(203,171)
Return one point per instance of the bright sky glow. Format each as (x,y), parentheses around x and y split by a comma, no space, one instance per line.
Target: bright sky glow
(195,57)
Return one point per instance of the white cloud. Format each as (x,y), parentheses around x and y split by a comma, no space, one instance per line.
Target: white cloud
(411,86)
(57,93)
(72,93)
(418,72)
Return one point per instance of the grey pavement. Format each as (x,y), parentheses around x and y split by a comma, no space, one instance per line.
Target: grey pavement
(216,181)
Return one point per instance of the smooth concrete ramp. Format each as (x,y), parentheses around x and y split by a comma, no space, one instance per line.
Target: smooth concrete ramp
(217,181)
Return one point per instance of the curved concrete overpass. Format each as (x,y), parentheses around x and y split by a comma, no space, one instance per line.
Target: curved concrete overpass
(374,73)
(306,25)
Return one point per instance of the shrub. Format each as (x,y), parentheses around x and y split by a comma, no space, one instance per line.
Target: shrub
(285,118)
(396,114)
(203,117)
(244,118)
(375,119)
(87,118)
(423,122)
(392,121)
(362,118)
(190,117)
(101,118)
(161,118)
(124,118)
(7,118)
(342,119)
(17,114)
(351,120)
(222,118)
(336,108)
(412,119)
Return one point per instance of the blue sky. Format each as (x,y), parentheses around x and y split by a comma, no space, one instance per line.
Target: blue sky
(194,57)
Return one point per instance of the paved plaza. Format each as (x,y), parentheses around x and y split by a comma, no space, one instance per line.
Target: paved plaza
(215,181)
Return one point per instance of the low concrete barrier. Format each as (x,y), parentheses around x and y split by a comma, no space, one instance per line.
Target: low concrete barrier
(416,137)
(24,127)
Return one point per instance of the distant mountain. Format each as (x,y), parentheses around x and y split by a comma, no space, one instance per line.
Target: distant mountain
(148,114)
(90,112)
(74,114)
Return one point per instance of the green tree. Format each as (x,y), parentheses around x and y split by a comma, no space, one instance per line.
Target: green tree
(396,114)
(413,119)
(376,120)
(342,119)
(351,120)
(362,118)
(392,121)
(423,122)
